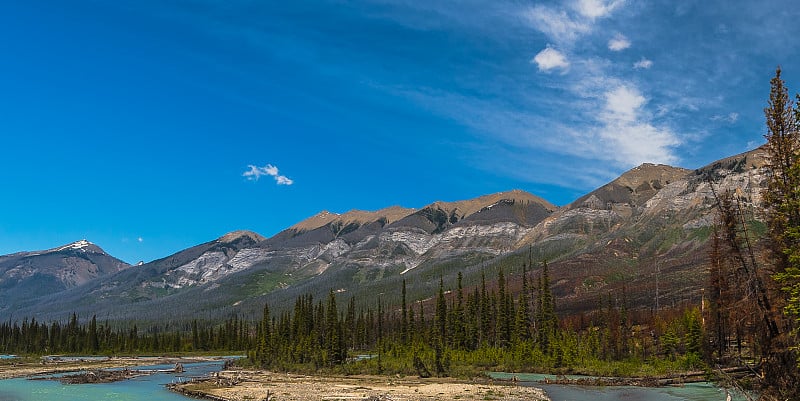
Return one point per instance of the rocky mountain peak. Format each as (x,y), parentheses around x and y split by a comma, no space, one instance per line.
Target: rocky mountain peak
(751,160)
(633,188)
(466,208)
(28,275)
(81,245)
(359,217)
(316,221)
(236,235)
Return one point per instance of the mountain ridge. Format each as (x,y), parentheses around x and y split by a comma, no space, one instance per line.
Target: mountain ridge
(611,235)
(26,276)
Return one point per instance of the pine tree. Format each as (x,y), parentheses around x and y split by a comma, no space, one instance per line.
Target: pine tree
(782,194)
(781,199)
(485,314)
(545,316)
(503,314)
(412,326)
(333,333)
(264,351)
(404,318)
(459,329)
(441,314)
(351,325)
(717,295)
(94,343)
(522,323)
(195,336)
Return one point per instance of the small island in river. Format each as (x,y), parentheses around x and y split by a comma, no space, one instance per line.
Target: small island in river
(236,385)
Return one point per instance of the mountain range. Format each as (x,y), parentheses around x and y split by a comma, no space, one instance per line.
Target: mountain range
(642,235)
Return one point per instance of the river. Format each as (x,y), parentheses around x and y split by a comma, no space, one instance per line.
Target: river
(558,392)
(150,388)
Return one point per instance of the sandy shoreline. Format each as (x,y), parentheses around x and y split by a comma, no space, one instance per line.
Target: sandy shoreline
(242,385)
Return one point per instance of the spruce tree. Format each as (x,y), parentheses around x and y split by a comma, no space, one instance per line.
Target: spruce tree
(441,313)
(459,329)
(485,314)
(782,194)
(522,323)
(404,318)
(333,332)
(782,204)
(503,318)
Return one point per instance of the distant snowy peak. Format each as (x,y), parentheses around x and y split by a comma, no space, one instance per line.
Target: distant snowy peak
(77,245)
(82,245)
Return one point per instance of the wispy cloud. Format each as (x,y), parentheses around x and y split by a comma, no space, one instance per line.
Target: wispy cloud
(563,27)
(559,26)
(612,124)
(730,118)
(619,43)
(643,64)
(256,172)
(593,9)
(616,126)
(550,59)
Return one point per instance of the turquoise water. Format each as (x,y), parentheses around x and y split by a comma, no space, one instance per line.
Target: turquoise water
(149,388)
(557,392)
(689,392)
(3,356)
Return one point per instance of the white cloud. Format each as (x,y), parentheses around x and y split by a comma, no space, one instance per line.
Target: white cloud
(643,64)
(610,127)
(594,9)
(622,103)
(256,172)
(618,43)
(557,25)
(550,59)
(628,132)
(140,239)
(565,28)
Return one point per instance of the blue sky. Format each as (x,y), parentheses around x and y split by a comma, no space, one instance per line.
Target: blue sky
(148,127)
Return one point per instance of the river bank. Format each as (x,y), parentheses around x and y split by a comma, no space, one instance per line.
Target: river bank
(27,368)
(239,385)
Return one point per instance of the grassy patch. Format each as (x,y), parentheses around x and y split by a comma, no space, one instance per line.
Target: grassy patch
(264,282)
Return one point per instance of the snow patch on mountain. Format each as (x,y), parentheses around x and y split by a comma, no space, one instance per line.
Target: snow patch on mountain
(77,245)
